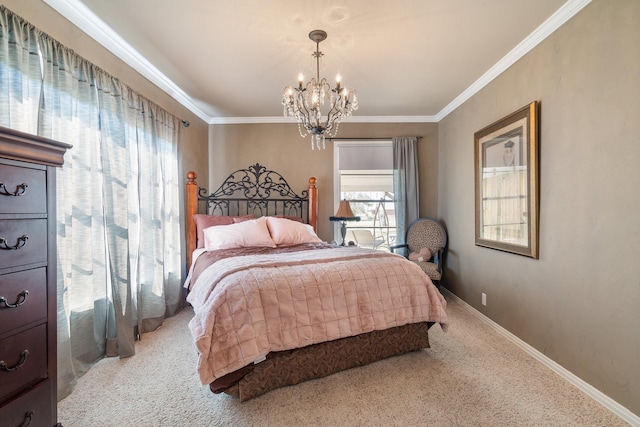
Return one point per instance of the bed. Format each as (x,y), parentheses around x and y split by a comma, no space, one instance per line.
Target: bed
(275,306)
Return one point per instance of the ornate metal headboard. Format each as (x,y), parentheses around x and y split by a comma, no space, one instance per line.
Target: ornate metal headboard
(255,190)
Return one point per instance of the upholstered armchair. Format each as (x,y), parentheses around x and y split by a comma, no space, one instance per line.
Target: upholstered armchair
(425,244)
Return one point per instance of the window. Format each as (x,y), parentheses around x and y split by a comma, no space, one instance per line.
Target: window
(364,176)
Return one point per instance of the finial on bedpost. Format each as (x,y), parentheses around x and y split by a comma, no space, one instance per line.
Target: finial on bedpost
(313,204)
(191,178)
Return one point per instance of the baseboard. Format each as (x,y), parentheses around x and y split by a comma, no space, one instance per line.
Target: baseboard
(591,391)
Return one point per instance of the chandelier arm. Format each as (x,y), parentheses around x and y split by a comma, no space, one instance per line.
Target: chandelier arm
(319,88)
(304,115)
(303,102)
(294,103)
(334,114)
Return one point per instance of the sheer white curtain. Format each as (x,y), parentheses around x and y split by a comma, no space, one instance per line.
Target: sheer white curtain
(20,75)
(406,185)
(118,199)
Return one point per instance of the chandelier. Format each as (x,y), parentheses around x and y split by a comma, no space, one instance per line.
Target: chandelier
(305,101)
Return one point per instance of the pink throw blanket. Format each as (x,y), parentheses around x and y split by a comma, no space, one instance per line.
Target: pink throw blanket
(248,306)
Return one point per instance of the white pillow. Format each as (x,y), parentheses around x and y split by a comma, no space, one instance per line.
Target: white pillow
(252,233)
(285,232)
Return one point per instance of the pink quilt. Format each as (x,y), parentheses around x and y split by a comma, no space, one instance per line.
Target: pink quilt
(248,306)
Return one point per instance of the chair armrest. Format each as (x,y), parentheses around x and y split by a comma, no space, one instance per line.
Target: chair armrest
(392,248)
(437,259)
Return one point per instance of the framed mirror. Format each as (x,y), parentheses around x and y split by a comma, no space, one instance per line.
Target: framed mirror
(506,183)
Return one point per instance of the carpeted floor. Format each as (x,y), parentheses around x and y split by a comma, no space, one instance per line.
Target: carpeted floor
(471,376)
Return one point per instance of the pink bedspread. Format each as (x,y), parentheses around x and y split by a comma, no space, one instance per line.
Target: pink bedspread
(248,306)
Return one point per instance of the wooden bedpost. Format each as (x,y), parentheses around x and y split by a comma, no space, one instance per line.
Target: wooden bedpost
(313,204)
(191,199)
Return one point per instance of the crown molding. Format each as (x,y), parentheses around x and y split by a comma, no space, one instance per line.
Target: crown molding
(555,21)
(248,120)
(352,119)
(390,119)
(81,16)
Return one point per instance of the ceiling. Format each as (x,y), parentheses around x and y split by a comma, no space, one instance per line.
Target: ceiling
(408,60)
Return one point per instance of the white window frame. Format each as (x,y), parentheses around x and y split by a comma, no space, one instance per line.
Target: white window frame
(336,171)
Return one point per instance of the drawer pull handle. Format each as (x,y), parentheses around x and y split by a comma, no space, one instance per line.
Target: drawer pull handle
(22,240)
(22,298)
(23,360)
(27,418)
(20,189)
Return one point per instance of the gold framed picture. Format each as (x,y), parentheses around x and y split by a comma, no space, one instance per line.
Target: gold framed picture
(506,183)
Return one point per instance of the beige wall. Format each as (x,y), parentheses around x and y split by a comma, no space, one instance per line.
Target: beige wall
(579,304)
(279,147)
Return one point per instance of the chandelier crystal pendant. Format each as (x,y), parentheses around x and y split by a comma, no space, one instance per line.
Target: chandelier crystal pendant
(305,101)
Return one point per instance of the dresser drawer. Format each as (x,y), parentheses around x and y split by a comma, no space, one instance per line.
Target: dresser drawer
(23,298)
(32,408)
(26,240)
(22,190)
(24,360)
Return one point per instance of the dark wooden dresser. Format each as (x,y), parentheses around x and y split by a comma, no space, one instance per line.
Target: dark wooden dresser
(28,279)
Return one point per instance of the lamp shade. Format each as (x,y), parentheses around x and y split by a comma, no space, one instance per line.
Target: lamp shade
(344,210)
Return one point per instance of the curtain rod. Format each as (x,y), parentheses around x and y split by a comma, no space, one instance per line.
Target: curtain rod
(367,139)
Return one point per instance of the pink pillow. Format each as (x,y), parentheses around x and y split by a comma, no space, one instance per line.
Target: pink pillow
(237,219)
(291,217)
(285,232)
(422,256)
(252,233)
(205,221)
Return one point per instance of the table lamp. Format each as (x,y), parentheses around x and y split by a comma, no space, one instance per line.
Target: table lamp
(343,215)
